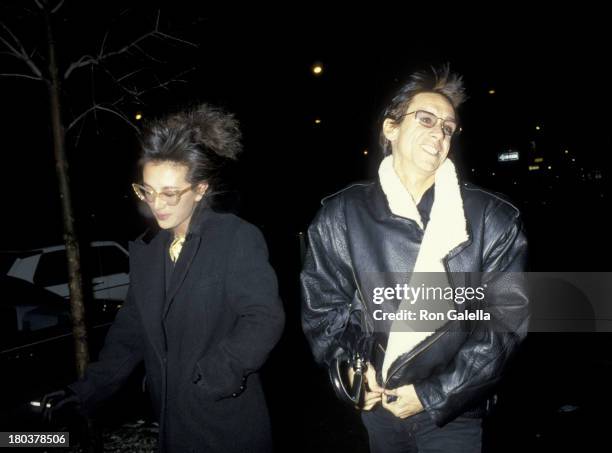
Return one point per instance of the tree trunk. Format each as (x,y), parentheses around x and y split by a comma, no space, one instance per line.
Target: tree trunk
(70,239)
(75,283)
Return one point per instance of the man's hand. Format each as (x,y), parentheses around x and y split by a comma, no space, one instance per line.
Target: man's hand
(373,392)
(406,404)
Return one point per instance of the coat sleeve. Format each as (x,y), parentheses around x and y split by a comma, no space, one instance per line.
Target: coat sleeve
(252,292)
(121,353)
(479,363)
(327,284)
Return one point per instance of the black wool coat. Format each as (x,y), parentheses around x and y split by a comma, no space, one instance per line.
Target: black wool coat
(202,337)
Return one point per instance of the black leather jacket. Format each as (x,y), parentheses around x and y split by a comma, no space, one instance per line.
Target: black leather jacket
(355,234)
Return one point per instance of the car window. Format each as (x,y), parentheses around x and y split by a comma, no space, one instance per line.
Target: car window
(101,261)
(111,261)
(52,269)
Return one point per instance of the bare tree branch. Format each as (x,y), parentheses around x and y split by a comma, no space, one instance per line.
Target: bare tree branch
(57,7)
(24,76)
(87,60)
(174,38)
(103,43)
(160,85)
(157,20)
(148,55)
(129,74)
(18,51)
(102,108)
(44,6)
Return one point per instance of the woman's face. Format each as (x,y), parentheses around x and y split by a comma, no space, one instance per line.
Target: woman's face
(170,178)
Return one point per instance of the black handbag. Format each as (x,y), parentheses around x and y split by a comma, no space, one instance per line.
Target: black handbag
(338,375)
(353,353)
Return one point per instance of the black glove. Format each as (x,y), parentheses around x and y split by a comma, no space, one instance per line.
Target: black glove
(59,406)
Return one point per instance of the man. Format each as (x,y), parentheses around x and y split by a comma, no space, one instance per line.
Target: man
(417,219)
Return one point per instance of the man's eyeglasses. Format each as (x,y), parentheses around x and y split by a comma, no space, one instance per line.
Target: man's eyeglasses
(170,197)
(429,120)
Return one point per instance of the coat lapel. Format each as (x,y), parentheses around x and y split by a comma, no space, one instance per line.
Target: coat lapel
(147,270)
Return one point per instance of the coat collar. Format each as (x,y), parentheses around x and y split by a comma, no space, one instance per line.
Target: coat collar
(147,257)
(447,226)
(445,231)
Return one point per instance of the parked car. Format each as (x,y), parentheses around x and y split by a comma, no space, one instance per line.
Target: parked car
(105,265)
(36,346)
(37,355)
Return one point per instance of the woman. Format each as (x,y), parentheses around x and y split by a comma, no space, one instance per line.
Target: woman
(202,310)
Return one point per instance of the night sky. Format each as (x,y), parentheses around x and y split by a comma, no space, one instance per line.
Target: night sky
(547,70)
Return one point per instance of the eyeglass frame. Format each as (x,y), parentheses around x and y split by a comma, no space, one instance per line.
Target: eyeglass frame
(455,132)
(179,193)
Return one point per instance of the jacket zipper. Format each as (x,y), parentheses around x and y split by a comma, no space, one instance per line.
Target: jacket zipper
(441,333)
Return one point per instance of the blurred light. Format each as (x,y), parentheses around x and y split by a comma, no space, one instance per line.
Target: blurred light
(491,91)
(317,121)
(510,155)
(473,169)
(537,160)
(534,167)
(537,128)
(365,152)
(550,167)
(138,116)
(573,159)
(566,151)
(317,69)
(493,174)
(37,404)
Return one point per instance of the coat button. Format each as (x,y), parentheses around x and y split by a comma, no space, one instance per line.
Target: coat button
(242,388)
(234,395)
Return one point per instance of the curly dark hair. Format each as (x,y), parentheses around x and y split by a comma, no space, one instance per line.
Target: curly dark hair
(205,139)
(435,80)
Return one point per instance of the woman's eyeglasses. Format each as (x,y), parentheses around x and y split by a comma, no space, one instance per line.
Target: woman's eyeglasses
(170,197)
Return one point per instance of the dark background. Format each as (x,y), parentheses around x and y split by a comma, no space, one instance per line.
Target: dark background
(547,69)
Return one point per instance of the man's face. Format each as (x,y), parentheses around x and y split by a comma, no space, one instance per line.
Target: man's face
(169,178)
(416,147)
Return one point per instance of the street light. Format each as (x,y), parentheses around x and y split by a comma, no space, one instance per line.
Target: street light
(317,69)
